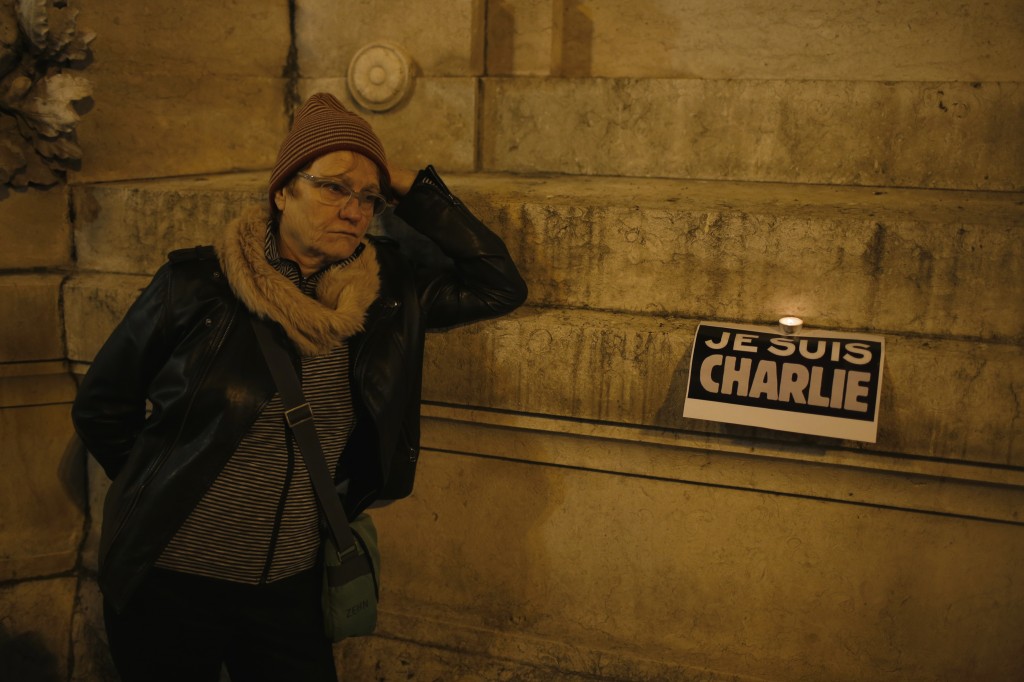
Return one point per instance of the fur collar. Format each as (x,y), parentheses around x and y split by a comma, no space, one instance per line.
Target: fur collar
(315,326)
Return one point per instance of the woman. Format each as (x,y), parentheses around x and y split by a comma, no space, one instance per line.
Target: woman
(209,550)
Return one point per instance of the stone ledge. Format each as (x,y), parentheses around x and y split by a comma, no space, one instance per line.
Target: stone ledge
(800,200)
(947,399)
(943,263)
(806,201)
(920,262)
(825,472)
(412,646)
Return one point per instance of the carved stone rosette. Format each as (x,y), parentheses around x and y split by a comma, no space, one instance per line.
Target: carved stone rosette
(380,76)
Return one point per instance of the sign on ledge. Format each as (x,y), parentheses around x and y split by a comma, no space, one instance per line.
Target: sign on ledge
(815,382)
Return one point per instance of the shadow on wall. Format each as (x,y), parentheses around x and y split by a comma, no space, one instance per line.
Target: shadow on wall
(572,38)
(25,657)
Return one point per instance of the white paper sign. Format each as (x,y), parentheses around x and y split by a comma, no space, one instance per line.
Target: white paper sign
(815,382)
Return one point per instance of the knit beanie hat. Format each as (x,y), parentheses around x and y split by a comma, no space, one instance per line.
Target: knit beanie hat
(322,125)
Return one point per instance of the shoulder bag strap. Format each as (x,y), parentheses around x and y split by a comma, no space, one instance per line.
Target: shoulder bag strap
(299,417)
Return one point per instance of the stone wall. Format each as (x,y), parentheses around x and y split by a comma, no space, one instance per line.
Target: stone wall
(915,94)
(184,87)
(651,164)
(172,82)
(41,513)
(858,165)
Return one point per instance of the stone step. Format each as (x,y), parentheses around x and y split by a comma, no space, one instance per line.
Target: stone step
(621,272)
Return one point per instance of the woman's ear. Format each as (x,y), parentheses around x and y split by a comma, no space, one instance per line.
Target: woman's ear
(279,199)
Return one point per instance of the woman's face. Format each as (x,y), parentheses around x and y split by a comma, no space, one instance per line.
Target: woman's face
(315,234)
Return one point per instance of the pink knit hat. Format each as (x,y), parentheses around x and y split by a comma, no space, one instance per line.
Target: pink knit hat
(322,125)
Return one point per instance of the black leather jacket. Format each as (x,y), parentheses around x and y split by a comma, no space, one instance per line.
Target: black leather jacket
(187,347)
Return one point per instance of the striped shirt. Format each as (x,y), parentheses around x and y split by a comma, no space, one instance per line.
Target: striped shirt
(259,522)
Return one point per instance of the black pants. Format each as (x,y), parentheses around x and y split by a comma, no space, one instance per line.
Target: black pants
(181,628)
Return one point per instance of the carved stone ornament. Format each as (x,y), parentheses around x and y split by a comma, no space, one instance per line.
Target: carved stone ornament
(40,43)
(380,76)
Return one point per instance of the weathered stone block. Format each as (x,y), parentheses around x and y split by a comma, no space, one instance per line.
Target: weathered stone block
(168,36)
(735,39)
(436,124)
(146,126)
(41,520)
(443,39)
(183,89)
(893,261)
(30,308)
(911,134)
(131,227)
(34,228)
(946,399)
(94,304)
(521,38)
(41,510)
(682,574)
(35,629)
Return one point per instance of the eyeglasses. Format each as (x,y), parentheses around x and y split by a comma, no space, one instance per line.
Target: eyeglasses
(333,193)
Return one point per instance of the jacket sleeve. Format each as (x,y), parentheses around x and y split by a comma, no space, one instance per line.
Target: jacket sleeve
(482,281)
(110,408)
